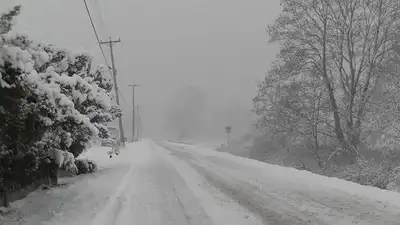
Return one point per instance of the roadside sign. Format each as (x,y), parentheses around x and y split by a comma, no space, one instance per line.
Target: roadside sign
(228,129)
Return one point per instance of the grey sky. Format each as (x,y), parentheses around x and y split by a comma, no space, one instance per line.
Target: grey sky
(218,45)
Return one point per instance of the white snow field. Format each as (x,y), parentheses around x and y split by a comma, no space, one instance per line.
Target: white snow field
(173,184)
(281,195)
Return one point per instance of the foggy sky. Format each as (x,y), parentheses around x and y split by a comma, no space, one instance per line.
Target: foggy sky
(218,45)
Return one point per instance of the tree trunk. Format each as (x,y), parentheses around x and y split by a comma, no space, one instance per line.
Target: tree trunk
(348,151)
(335,109)
(6,201)
(53,174)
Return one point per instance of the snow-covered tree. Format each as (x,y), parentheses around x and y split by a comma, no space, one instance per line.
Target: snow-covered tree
(50,98)
(332,90)
(20,128)
(89,91)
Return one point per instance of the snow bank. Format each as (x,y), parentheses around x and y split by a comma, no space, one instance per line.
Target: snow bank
(99,155)
(303,180)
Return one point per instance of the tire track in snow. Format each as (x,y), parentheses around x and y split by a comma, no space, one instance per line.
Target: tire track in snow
(191,208)
(123,207)
(157,194)
(221,208)
(109,214)
(245,194)
(183,198)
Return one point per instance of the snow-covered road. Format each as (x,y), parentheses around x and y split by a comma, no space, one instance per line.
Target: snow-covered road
(171,184)
(285,196)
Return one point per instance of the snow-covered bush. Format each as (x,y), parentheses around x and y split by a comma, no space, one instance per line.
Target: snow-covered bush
(20,128)
(50,98)
(85,166)
(89,91)
(64,160)
(75,98)
(69,163)
(381,175)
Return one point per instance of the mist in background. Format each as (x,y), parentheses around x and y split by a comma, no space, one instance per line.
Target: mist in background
(217,48)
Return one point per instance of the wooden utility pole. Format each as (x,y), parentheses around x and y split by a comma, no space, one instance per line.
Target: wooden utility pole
(139,124)
(110,44)
(133,110)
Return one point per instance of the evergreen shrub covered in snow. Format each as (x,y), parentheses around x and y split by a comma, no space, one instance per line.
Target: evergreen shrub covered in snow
(85,166)
(50,98)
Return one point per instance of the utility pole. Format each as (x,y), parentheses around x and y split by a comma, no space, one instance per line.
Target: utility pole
(133,110)
(110,44)
(139,124)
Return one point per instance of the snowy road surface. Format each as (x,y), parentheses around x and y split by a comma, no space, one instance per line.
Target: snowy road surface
(172,184)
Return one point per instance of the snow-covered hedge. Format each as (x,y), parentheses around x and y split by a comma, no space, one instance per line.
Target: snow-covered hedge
(85,166)
(50,98)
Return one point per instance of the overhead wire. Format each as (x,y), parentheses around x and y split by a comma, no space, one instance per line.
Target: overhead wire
(97,37)
(99,10)
(100,14)
(122,96)
(104,26)
(99,42)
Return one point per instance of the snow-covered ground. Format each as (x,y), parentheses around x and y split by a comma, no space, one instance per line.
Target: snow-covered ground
(78,199)
(170,184)
(292,194)
(102,159)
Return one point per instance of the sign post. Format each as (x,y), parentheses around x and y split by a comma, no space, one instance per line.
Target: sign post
(228,130)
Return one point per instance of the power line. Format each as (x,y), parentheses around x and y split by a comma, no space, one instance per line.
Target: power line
(99,43)
(100,13)
(112,70)
(122,96)
(97,36)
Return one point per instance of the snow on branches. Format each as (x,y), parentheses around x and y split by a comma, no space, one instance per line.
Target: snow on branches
(66,101)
